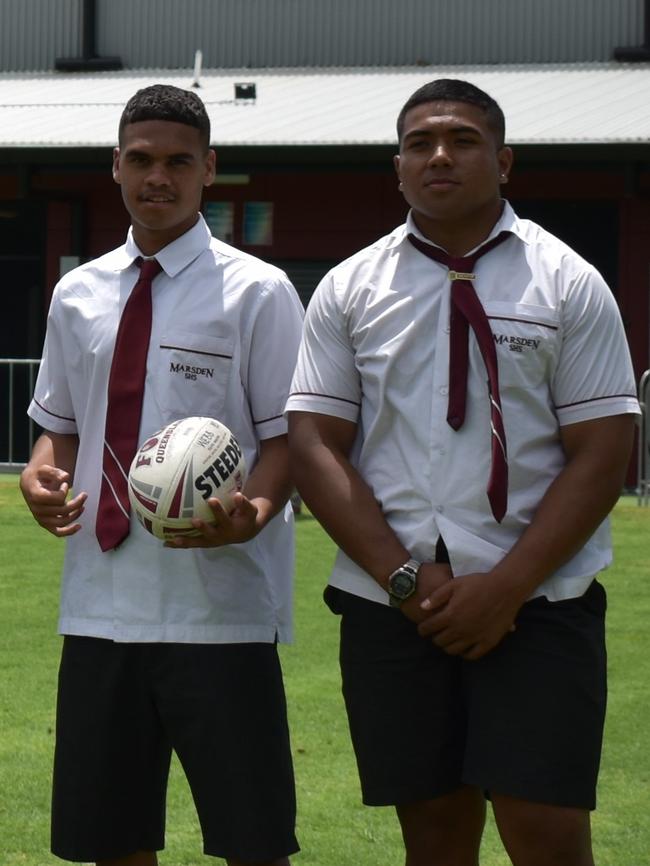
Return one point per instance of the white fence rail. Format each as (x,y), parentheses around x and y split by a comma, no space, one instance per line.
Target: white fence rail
(17,431)
(643,459)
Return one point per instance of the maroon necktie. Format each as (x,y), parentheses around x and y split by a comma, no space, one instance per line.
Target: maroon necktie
(465,310)
(125,390)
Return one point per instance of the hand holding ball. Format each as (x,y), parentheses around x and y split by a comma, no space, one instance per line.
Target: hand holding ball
(178,469)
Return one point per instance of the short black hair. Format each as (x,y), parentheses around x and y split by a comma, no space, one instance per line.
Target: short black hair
(456,90)
(166,102)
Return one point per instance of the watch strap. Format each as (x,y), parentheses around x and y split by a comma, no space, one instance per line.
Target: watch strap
(411,567)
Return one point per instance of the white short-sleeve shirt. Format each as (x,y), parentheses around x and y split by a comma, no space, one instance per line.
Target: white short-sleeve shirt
(375,351)
(234,322)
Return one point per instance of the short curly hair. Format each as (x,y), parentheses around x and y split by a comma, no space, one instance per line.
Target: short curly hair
(166,102)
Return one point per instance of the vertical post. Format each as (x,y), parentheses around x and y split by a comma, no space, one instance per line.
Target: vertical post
(30,424)
(643,485)
(15,396)
(88,30)
(10,455)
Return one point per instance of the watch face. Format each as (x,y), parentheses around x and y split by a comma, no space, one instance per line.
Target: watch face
(402,583)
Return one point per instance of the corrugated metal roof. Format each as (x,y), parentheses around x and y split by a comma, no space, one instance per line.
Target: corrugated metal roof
(547,104)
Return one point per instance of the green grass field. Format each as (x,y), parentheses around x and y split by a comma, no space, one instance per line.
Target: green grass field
(334,829)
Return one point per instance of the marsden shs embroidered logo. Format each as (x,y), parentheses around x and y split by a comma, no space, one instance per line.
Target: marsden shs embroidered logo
(516,344)
(191,372)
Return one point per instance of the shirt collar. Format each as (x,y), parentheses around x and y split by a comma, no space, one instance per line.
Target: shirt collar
(175,256)
(507,222)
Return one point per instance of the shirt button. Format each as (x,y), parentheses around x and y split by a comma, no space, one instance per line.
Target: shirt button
(447,330)
(444,390)
(439,508)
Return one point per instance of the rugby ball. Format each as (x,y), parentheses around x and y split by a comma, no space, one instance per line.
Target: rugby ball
(178,469)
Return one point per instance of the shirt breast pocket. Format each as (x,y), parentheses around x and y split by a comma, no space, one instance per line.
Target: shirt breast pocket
(526,338)
(193,376)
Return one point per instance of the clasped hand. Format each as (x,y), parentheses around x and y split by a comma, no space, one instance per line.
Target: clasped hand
(466,615)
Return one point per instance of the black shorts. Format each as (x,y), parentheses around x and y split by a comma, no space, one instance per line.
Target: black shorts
(122,708)
(525,721)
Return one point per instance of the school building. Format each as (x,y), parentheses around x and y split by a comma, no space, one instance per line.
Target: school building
(303,97)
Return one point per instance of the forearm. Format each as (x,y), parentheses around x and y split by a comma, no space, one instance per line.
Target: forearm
(471,614)
(46,480)
(55,449)
(573,507)
(343,503)
(269,485)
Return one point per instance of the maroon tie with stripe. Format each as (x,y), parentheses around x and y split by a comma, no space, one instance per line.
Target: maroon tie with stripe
(125,390)
(465,310)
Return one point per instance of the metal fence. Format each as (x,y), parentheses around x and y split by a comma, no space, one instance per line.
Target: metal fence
(643,458)
(17,435)
(17,431)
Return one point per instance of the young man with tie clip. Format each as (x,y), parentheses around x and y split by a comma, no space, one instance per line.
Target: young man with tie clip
(460,421)
(168,646)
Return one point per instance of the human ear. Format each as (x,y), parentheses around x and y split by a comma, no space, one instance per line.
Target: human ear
(505,159)
(210,167)
(396,166)
(116,164)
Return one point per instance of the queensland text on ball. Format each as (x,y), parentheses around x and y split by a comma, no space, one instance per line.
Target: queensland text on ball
(178,469)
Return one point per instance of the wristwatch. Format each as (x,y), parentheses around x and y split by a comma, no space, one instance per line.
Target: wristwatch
(401,583)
